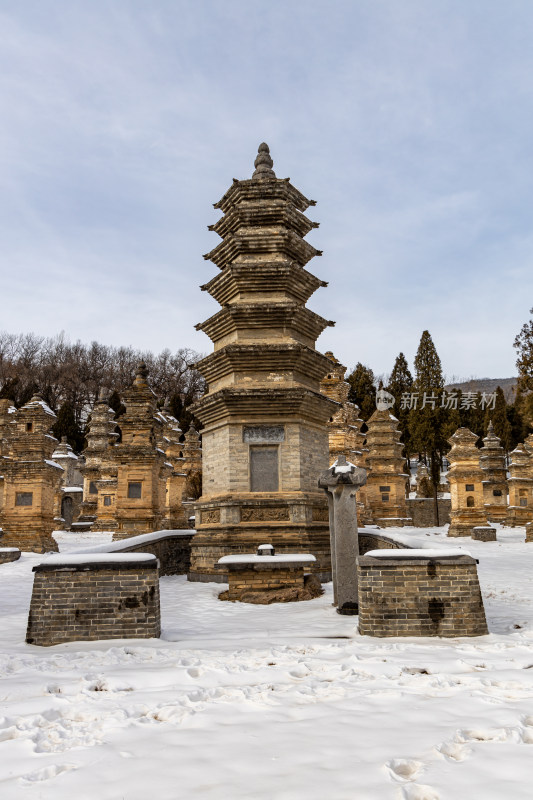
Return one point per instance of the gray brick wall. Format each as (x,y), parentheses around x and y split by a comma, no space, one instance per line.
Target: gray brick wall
(94,601)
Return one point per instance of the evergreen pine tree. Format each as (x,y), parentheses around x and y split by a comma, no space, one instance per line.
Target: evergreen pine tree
(66,425)
(499,419)
(427,424)
(401,382)
(9,390)
(362,390)
(523,344)
(116,404)
(119,408)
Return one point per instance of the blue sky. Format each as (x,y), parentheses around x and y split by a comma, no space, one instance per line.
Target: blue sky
(409,122)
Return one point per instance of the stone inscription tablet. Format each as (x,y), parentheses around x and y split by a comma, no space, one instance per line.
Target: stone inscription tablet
(263,434)
(264,469)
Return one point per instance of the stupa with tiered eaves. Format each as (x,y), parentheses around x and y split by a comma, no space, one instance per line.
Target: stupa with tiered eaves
(265,439)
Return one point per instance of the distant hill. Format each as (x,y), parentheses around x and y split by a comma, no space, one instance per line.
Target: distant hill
(488,385)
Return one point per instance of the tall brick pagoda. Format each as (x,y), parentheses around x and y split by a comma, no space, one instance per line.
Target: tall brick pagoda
(265,439)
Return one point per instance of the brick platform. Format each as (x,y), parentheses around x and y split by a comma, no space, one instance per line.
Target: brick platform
(257,574)
(93,597)
(9,554)
(416,593)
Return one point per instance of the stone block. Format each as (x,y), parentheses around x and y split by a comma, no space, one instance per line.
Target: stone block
(484,533)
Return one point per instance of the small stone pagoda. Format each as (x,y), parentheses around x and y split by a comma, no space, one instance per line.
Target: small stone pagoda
(344,430)
(492,462)
(520,510)
(387,481)
(142,467)
(71,489)
(264,438)
(101,437)
(32,480)
(175,515)
(465,477)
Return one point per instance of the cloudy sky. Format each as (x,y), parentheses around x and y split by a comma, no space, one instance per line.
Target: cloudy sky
(410,123)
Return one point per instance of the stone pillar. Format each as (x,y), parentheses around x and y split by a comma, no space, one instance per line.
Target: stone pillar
(340,483)
(466,484)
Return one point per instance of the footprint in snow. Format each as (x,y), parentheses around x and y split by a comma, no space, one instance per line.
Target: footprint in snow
(47,773)
(454,750)
(418,791)
(483,735)
(404,769)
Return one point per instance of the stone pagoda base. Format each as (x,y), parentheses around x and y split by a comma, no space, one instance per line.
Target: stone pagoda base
(28,538)
(238,524)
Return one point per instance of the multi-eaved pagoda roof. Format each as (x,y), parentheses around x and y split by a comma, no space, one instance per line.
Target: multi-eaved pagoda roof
(264,333)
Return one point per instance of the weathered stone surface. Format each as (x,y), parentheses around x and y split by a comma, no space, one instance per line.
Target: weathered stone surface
(421,510)
(94,601)
(405,596)
(484,534)
(340,483)
(268,579)
(8,554)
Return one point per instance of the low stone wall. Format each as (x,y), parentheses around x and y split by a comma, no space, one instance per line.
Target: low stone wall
(422,511)
(93,597)
(418,593)
(9,554)
(172,548)
(372,540)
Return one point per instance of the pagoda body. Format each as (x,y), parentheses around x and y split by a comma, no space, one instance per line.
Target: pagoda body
(101,438)
(520,510)
(265,440)
(492,461)
(465,477)
(142,469)
(387,480)
(32,480)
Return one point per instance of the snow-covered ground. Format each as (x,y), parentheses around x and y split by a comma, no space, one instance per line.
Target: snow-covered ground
(282,702)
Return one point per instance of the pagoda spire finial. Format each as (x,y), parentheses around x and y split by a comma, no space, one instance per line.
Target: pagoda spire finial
(141,375)
(263,164)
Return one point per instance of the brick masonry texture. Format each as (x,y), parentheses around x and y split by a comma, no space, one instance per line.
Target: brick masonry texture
(260,578)
(420,597)
(9,555)
(90,602)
